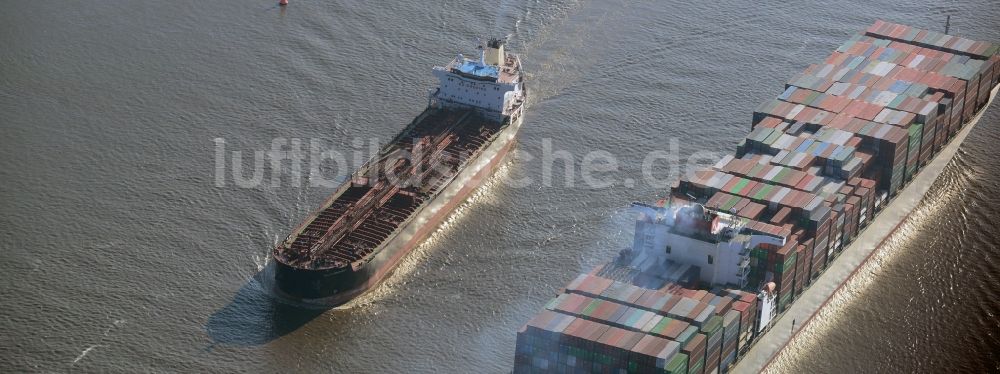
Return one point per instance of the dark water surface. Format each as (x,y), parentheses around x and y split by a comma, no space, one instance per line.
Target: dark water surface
(120,253)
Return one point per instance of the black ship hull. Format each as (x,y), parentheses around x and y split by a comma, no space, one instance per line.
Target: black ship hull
(336,286)
(330,286)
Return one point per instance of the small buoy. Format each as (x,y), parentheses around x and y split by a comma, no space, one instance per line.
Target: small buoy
(282,2)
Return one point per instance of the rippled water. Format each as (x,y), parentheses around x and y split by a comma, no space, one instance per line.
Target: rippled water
(120,253)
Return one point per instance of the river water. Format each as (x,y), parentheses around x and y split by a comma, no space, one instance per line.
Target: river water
(125,249)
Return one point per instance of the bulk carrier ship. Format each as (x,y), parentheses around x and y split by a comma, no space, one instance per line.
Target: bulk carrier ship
(715,264)
(394,201)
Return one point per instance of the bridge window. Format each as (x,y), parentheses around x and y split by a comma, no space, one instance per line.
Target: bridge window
(710,259)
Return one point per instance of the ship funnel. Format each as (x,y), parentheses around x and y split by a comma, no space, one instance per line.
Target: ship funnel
(493,53)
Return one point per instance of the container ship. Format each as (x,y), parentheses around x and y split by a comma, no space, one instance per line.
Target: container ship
(396,199)
(717,262)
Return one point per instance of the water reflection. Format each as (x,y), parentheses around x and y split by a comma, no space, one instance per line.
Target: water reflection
(256,317)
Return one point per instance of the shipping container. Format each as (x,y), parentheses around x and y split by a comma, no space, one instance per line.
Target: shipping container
(820,162)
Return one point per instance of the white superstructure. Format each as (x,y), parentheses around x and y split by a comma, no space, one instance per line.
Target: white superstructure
(717,243)
(767,308)
(491,83)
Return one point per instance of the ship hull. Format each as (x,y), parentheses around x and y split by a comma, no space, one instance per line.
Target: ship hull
(855,255)
(333,287)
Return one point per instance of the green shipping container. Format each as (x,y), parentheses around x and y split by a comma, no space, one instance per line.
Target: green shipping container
(696,368)
(591,307)
(789,263)
(712,325)
(763,192)
(688,334)
(661,327)
(784,300)
(739,185)
(677,365)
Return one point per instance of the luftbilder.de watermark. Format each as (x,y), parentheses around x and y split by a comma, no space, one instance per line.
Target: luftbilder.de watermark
(315,162)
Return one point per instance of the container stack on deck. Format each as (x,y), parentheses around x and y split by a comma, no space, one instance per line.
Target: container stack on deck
(821,160)
(842,139)
(601,325)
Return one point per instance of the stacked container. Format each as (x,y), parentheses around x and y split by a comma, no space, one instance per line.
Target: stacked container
(865,201)
(613,349)
(677,365)
(747,317)
(649,355)
(822,159)
(695,350)
(892,148)
(730,339)
(802,259)
(818,225)
(784,273)
(928,140)
(915,132)
(713,348)
(854,206)
(539,343)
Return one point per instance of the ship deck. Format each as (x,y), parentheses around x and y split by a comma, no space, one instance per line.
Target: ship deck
(388,190)
(852,260)
(508,73)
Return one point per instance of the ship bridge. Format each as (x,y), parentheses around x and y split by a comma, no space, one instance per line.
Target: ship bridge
(491,83)
(477,69)
(717,243)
